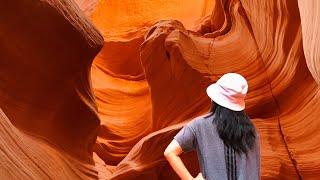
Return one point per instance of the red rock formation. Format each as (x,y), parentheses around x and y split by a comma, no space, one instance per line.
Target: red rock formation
(149,80)
(24,156)
(46,51)
(119,83)
(310,20)
(261,40)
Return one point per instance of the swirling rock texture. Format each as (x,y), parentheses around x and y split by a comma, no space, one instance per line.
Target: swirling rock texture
(310,18)
(149,80)
(120,86)
(48,119)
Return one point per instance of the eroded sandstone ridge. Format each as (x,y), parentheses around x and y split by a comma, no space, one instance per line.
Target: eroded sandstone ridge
(59,105)
(48,119)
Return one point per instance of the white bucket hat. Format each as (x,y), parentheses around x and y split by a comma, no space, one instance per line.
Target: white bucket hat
(229,91)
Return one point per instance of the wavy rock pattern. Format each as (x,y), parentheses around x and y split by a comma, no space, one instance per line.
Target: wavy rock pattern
(148,80)
(261,40)
(46,50)
(310,20)
(120,86)
(25,157)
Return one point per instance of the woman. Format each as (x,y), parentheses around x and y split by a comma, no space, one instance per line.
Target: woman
(226,141)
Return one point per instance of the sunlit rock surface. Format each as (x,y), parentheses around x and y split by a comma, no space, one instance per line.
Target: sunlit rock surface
(310,20)
(148,80)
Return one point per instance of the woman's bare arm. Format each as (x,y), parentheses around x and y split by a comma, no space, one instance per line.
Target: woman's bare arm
(172,153)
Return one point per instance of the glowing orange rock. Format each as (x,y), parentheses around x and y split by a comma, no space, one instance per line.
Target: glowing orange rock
(310,20)
(261,40)
(121,90)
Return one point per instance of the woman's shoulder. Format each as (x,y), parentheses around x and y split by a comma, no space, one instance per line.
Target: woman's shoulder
(199,120)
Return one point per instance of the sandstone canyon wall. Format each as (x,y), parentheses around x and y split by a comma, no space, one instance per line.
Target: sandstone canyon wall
(98,88)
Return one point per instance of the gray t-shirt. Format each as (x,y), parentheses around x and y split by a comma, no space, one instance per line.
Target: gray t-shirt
(201,134)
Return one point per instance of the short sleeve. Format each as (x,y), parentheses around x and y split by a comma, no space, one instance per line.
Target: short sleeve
(186,138)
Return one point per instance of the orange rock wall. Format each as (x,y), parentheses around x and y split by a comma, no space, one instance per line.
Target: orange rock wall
(73,106)
(48,116)
(261,40)
(310,19)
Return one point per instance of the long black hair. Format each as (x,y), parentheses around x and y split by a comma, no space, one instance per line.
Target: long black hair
(234,127)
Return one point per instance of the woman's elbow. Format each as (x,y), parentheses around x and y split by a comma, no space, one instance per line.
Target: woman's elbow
(167,153)
(172,150)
